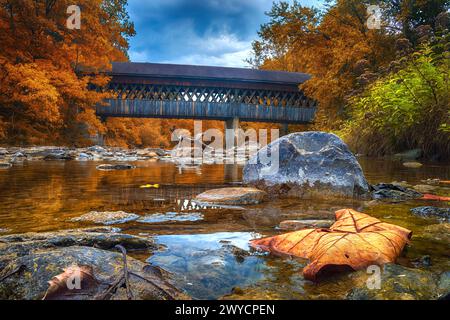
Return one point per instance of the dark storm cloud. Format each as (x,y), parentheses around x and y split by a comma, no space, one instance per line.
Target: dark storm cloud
(211,32)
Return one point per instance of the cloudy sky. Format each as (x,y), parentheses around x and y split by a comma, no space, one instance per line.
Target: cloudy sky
(201,32)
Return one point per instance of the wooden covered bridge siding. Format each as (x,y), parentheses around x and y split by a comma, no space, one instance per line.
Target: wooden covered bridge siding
(209,93)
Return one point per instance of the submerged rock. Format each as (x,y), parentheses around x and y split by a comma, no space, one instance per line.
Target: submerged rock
(432,212)
(109,167)
(36,268)
(437,232)
(60,156)
(310,164)
(413,165)
(5,165)
(97,149)
(304,224)
(171,217)
(433,182)
(232,196)
(106,217)
(423,188)
(409,155)
(444,286)
(401,283)
(393,191)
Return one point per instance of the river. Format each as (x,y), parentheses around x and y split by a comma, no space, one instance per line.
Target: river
(206,249)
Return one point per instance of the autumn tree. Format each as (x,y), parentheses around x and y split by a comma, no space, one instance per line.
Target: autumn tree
(335,46)
(44,94)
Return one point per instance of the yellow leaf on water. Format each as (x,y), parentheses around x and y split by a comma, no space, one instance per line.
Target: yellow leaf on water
(147,186)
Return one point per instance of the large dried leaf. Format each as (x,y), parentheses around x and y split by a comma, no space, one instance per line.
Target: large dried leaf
(354,242)
(348,220)
(73,282)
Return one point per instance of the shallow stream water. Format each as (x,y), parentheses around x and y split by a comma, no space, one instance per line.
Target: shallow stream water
(206,249)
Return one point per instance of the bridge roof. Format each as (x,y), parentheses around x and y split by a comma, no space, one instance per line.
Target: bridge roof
(192,72)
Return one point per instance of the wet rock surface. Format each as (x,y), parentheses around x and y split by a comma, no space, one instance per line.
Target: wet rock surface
(35,269)
(437,232)
(4,165)
(304,224)
(232,196)
(413,154)
(311,164)
(413,165)
(432,212)
(93,153)
(393,191)
(170,217)
(111,167)
(401,283)
(106,217)
(423,188)
(28,261)
(104,238)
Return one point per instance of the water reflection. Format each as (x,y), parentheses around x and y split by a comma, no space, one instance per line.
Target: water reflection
(208,266)
(206,246)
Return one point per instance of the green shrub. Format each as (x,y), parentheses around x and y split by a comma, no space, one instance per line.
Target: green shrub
(408,108)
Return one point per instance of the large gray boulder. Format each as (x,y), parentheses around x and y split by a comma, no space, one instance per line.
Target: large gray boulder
(310,164)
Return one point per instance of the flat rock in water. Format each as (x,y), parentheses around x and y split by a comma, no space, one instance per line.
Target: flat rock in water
(59,156)
(103,237)
(433,182)
(424,188)
(304,224)
(394,192)
(232,196)
(307,164)
(36,268)
(171,217)
(109,167)
(437,232)
(412,164)
(432,212)
(106,217)
(409,155)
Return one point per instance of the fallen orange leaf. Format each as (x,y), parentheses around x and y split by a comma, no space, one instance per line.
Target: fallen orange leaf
(434,197)
(60,285)
(354,242)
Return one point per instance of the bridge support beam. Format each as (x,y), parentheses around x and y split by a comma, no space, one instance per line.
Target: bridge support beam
(284,129)
(231,132)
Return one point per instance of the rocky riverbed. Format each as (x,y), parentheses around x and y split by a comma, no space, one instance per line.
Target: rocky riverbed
(186,228)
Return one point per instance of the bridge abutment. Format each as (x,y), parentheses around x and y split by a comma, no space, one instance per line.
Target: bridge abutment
(284,129)
(231,132)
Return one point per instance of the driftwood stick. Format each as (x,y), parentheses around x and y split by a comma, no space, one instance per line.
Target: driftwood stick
(107,294)
(125,271)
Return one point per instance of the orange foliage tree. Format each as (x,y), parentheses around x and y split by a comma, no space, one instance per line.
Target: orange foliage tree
(44,95)
(336,46)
